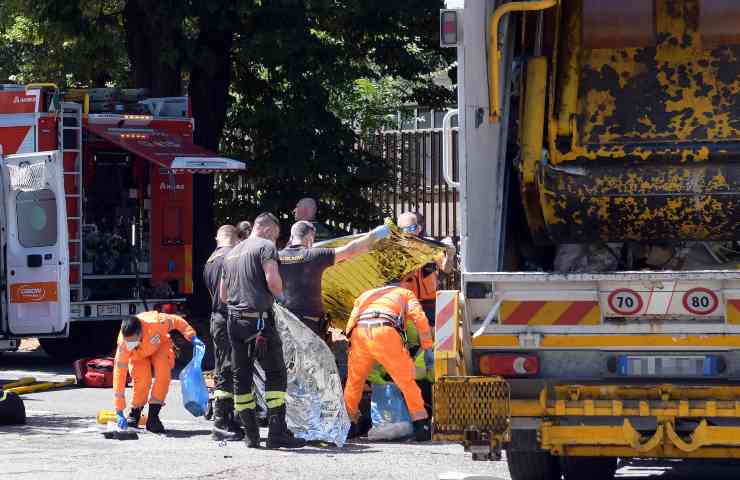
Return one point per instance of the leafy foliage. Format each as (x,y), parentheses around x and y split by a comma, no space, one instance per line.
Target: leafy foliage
(303,82)
(69,43)
(308,88)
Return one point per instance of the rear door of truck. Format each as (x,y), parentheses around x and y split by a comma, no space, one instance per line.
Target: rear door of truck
(35,245)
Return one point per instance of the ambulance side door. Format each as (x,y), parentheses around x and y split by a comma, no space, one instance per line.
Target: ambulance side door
(36,245)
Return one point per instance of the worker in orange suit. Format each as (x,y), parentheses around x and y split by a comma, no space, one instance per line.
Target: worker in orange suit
(144,346)
(375,330)
(425,281)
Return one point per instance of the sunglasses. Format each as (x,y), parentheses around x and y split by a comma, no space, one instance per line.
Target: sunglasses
(410,228)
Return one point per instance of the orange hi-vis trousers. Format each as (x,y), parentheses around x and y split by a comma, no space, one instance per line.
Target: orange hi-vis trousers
(382,344)
(160,363)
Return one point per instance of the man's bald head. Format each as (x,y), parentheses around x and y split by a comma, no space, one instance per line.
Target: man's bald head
(407,219)
(226,236)
(408,222)
(305,209)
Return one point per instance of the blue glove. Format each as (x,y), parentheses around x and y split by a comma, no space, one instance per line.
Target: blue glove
(121,420)
(381,232)
(429,358)
(198,342)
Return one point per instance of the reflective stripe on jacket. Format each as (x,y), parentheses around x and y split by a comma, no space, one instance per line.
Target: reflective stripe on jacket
(393,301)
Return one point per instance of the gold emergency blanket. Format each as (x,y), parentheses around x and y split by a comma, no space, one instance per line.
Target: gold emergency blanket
(389,259)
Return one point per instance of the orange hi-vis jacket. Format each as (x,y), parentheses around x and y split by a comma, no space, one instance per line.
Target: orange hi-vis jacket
(423,285)
(155,337)
(395,302)
(425,280)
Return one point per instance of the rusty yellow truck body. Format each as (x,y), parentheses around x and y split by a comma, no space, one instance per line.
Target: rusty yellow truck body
(612,130)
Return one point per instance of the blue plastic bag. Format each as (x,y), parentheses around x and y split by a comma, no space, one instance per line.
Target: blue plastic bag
(389,413)
(387,405)
(194,389)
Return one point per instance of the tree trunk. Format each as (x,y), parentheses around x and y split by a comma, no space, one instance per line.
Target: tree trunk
(154,43)
(209,93)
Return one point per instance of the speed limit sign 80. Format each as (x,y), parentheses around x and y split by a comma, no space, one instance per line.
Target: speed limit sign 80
(625,301)
(700,301)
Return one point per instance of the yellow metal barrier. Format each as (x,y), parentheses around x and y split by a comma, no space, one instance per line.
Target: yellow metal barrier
(21,382)
(40,387)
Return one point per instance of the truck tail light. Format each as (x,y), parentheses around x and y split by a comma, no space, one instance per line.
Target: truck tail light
(509,365)
(448,28)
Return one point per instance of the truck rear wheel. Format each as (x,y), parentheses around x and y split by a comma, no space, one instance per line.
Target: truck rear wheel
(589,468)
(533,466)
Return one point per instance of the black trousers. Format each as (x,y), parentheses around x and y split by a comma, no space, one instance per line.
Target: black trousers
(318,327)
(224,377)
(243,355)
(429,307)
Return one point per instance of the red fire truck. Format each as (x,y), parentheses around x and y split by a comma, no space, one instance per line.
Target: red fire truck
(96,211)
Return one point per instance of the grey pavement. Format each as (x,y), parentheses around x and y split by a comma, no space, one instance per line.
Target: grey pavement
(62,441)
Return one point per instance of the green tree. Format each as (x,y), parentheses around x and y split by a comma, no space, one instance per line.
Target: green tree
(299,67)
(67,43)
(266,80)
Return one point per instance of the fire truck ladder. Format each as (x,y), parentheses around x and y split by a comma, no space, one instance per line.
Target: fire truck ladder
(70,143)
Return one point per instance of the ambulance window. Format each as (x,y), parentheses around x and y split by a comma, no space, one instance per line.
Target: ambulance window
(37,218)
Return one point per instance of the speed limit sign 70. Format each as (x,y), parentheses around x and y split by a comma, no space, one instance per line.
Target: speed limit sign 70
(700,301)
(625,301)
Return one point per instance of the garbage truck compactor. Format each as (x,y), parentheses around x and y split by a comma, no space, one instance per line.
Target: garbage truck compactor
(598,315)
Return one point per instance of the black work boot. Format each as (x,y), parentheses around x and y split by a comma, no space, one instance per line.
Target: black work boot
(278,435)
(250,427)
(134,415)
(422,431)
(235,425)
(153,423)
(223,409)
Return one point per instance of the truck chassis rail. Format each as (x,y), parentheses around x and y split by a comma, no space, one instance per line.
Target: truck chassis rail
(596,408)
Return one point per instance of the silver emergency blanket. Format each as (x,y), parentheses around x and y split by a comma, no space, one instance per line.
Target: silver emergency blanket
(315,401)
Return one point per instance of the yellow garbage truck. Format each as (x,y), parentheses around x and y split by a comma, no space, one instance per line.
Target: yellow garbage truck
(598,315)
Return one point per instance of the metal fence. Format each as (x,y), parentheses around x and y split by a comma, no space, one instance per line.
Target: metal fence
(416,159)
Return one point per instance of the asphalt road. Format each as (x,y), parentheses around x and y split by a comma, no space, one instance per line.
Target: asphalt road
(62,441)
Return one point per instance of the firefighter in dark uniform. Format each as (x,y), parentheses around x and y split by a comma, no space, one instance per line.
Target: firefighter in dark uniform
(225,426)
(302,265)
(250,285)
